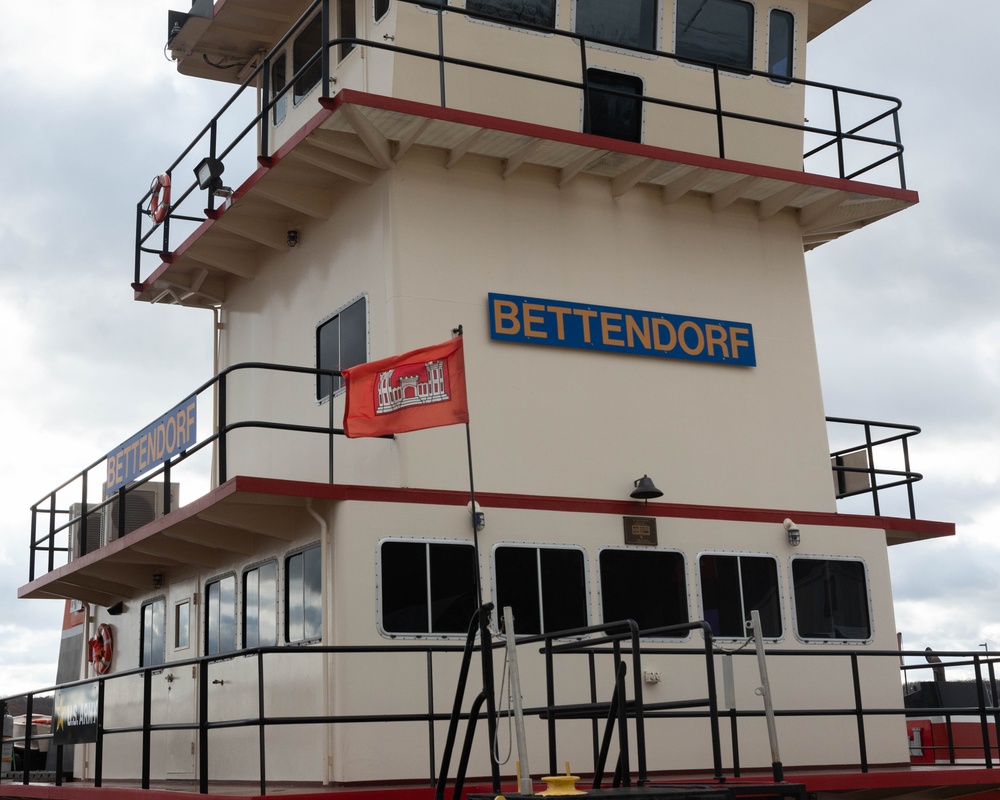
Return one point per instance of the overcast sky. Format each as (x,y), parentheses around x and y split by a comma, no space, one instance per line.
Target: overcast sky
(906,311)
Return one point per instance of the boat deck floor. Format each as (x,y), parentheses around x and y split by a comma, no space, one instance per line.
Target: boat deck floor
(930,782)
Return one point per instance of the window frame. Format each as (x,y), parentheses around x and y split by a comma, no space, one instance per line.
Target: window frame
(586,117)
(213,581)
(791,44)
(739,555)
(182,609)
(300,91)
(658,15)
(285,638)
(337,384)
(663,550)
(245,617)
(516,25)
(380,581)
(280,104)
(153,603)
(868,600)
(695,62)
(538,547)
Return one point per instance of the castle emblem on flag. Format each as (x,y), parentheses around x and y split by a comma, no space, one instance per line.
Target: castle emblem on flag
(411,385)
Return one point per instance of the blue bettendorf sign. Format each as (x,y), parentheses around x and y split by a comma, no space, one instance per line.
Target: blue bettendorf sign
(171,434)
(558,323)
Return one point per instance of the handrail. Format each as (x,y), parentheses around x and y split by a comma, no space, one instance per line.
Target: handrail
(843,471)
(49,506)
(205,142)
(603,643)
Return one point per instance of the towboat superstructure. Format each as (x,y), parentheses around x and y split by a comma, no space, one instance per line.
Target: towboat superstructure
(609,203)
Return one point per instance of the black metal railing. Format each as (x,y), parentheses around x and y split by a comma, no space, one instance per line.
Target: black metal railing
(53,517)
(614,648)
(156,238)
(854,467)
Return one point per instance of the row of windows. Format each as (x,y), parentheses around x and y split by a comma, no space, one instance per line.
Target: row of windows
(428,588)
(716,31)
(302,607)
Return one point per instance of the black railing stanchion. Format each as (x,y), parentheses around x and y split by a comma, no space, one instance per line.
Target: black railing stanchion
(431,755)
(585,81)
(839,131)
(147,719)
(330,438)
(34,543)
(983,723)
(52,532)
(859,711)
(440,32)
(262,725)
(640,719)
(550,702)
(99,744)
(995,705)
(713,701)
(203,727)
(324,52)
(909,485)
(718,111)
(29,716)
(899,153)
(222,427)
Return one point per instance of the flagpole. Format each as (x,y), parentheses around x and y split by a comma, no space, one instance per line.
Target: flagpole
(485,639)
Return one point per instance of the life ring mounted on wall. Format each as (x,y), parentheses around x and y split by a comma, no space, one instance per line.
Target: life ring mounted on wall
(157,209)
(102,649)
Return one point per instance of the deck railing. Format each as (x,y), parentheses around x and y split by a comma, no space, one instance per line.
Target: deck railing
(620,645)
(253,129)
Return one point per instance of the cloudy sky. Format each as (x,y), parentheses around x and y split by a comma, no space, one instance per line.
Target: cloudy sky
(907,311)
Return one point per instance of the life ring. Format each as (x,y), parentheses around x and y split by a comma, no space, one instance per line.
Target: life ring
(101,649)
(157,209)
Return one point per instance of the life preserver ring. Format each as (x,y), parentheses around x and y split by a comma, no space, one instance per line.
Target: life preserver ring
(157,209)
(102,649)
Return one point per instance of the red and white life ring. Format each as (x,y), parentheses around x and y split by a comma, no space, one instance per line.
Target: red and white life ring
(102,649)
(158,209)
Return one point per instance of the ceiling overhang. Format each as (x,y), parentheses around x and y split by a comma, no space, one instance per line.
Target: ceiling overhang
(357,136)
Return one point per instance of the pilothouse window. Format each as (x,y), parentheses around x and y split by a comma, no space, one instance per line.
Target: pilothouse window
(631,23)
(531,12)
(427,587)
(153,635)
(647,586)
(831,599)
(546,587)
(220,615)
(717,31)
(613,105)
(307,45)
(341,342)
(734,586)
(303,596)
(780,43)
(260,606)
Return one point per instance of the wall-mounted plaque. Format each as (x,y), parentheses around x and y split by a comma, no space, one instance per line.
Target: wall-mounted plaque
(640,530)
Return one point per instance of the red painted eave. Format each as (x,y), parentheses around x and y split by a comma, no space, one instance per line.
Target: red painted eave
(292,496)
(854,203)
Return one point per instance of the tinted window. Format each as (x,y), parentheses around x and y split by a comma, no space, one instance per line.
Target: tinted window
(717,31)
(220,615)
(613,105)
(381,9)
(831,599)
(153,635)
(732,587)
(627,22)
(532,12)
(647,586)
(427,588)
(260,606)
(279,79)
(303,596)
(307,45)
(780,43)
(341,342)
(545,587)
(347,26)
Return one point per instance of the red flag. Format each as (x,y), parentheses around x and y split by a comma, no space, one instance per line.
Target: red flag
(424,388)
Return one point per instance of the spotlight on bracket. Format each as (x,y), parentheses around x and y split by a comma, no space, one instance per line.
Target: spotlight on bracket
(794,536)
